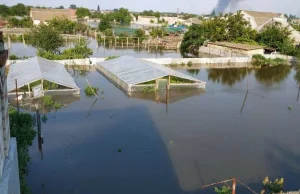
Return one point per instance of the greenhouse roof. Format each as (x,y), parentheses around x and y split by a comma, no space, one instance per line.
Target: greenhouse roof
(37,68)
(135,71)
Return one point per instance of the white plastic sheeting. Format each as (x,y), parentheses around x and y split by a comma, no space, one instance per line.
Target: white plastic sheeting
(38,68)
(134,71)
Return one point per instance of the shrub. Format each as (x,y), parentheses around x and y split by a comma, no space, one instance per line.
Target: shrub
(111,57)
(223,190)
(273,187)
(47,101)
(90,91)
(190,64)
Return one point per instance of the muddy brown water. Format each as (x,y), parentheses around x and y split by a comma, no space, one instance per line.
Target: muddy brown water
(122,144)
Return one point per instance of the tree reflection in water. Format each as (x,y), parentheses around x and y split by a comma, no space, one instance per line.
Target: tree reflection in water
(193,72)
(272,75)
(297,78)
(228,76)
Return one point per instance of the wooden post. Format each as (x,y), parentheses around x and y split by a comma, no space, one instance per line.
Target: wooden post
(42,83)
(16,81)
(122,45)
(127,42)
(91,87)
(95,34)
(169,80)
(115,42)
(23,39)
(233,186)
(138,42)
(28,89)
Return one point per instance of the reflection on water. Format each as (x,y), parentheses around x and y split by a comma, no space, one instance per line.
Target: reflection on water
(272,75)
(193,72)
(200,139)
(227,76)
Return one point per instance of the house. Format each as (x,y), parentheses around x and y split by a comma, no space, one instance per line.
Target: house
(147,20)
(133,18)
(169,20)
(228,49)
(296,21)
(191,21)
(43,16)
(258,20)
(106,11)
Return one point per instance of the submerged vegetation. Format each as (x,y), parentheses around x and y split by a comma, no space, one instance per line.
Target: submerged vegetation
(90,91)
(260,60)
(111,57)
(22,127)
(49,103)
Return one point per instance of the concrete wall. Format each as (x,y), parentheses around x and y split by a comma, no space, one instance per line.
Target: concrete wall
(290,59)
(10,182)
(231,52)
(220,52)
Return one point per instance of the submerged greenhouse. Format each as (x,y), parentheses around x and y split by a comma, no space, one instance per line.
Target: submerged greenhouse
(38,76)
(132,74)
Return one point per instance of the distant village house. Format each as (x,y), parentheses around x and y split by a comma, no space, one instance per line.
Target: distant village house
(147,20)
(43,16)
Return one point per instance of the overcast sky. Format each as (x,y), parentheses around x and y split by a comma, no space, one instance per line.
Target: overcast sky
(191,6)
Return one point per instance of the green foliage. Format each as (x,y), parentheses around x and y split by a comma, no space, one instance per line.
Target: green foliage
(73,6)
(158,32)
(139,33)
(46,38)
(63,25)
(111,57)
(47,101)
(190,64)
(226,27)
(277,37)
(193,39)
(179,80)
(150,13)
(104,24)
(13,57)
(223,190)
(81,12)
(273,187)
(4,10)
(19,10)
(121,16)
(57,105)
(21,127)
(23,23)
(147,89)
(90,91)
(260,60)
(79,51)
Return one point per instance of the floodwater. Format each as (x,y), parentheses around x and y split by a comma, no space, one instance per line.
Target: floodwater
(121,144)
(22,50)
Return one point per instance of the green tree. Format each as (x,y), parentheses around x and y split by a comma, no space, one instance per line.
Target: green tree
(19,10)
(4,10)
(193,39)
(23,23)
(158,32)
(81,12)
(275,36)
(63,25)
(46,38)
(104,24)
(73,6)
(139,33)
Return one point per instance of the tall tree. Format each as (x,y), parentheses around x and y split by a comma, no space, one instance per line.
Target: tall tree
(98,8)
(73,6)
(104,24)
(82,12)
(46,38)
(4,10)
(19,10)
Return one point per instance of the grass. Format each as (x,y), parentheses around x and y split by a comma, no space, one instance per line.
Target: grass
(260,60)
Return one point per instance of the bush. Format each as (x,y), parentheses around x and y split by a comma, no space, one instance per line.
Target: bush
(111,57)
(47,101)
(90,91)
(273,187)
(223,190)
(190,64)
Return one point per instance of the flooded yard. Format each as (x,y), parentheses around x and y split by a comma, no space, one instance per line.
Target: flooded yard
(122,144)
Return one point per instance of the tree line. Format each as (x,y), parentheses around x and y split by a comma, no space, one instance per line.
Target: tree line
(234,28)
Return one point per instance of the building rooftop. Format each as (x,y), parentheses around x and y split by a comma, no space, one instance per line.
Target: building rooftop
(258,14)
(49,14)
(246,47)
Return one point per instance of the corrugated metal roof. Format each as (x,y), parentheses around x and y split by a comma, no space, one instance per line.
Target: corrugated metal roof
(135,71)
(37,68)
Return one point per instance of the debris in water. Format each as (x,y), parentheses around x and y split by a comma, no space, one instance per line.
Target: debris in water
(171,142)
(290,108)
(119,150)
(102,97)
